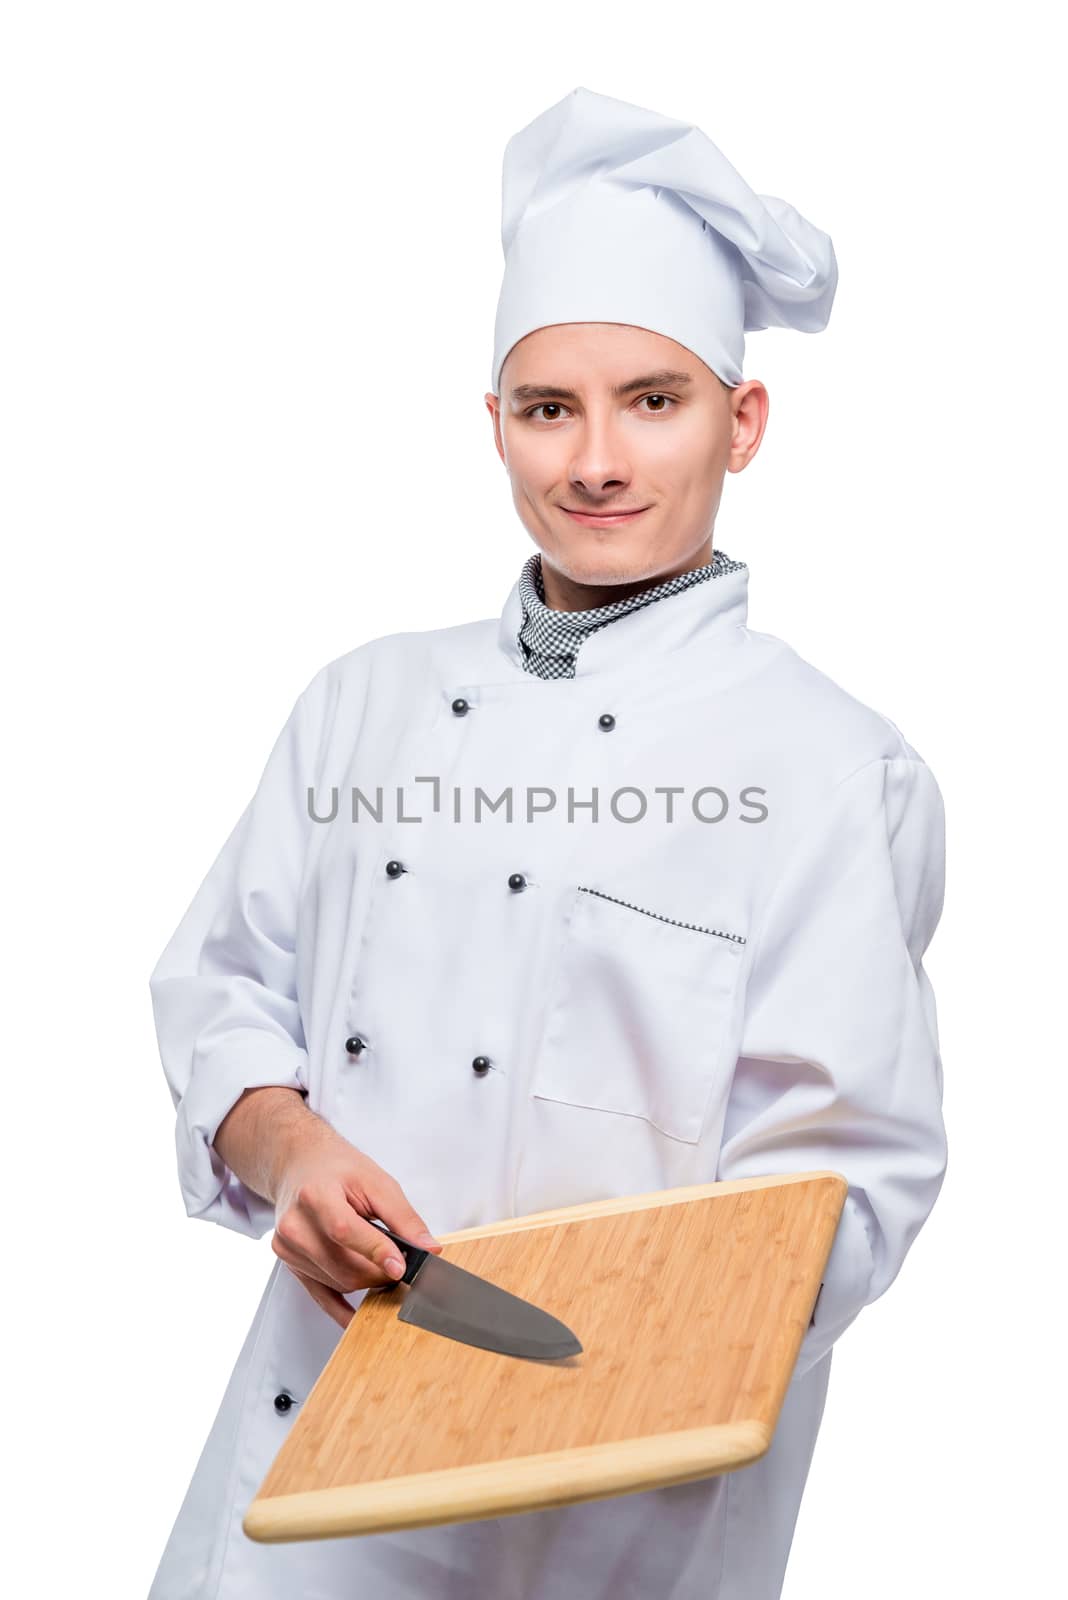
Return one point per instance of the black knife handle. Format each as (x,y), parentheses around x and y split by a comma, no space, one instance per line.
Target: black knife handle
(414,1256)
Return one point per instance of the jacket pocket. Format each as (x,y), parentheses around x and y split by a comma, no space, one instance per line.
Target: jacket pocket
(639,1013)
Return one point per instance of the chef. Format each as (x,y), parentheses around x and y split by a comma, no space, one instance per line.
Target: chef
(606,894)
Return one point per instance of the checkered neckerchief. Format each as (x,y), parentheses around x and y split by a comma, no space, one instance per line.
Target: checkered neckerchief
(549,640)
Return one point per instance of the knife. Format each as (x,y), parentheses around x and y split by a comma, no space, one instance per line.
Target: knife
(446,1299)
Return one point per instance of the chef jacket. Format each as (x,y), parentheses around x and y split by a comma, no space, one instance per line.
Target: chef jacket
(531,942)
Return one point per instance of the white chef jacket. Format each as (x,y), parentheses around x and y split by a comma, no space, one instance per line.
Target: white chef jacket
(711,968)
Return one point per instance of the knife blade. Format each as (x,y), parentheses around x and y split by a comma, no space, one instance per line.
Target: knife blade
(446,1299)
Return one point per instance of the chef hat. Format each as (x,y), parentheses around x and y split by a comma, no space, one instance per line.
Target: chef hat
(611,213)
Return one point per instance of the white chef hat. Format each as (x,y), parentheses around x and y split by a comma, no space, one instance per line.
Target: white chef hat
(612,213)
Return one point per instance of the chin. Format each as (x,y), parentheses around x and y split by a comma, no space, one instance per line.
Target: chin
(605,563)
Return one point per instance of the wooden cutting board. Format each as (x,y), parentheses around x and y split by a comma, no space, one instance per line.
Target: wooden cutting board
(690,1305)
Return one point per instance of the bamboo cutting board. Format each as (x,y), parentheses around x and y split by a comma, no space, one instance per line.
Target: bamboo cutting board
(690,1305)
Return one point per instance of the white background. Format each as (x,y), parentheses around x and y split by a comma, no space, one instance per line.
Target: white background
(249,278)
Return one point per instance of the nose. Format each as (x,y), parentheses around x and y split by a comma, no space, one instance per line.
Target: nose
(599,466)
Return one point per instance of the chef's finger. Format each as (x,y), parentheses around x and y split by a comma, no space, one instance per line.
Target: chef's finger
(334,1304)
(354,1253)
(301,1240)
(337,1242)
(317,1226)
(302,1251)
(345,1230)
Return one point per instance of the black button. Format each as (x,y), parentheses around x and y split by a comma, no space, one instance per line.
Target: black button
(355,1044)
(394,869)
(606,721)
(481,1065)
(282,1403)
(460,706)
(517,881)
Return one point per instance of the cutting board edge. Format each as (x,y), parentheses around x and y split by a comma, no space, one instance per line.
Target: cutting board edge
(496,1489)
(637,1202)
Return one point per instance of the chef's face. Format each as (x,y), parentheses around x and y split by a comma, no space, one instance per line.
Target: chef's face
(599,418)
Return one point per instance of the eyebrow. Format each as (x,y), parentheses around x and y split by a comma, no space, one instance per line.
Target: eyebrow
(664,379)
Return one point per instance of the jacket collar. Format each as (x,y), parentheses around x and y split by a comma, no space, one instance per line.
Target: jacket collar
(692,615)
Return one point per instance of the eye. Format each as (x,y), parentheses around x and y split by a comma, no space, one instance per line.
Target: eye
(551,405)
(659,410)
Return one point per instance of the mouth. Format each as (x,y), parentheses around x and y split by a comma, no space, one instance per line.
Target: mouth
(607,519)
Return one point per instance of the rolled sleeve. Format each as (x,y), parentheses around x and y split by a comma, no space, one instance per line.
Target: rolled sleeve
(840,1065)
(224,991)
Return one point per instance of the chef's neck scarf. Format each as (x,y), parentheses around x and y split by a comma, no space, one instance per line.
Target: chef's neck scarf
(549,640)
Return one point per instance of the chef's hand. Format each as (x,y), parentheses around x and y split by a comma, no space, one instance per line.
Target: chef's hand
(326,1191)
